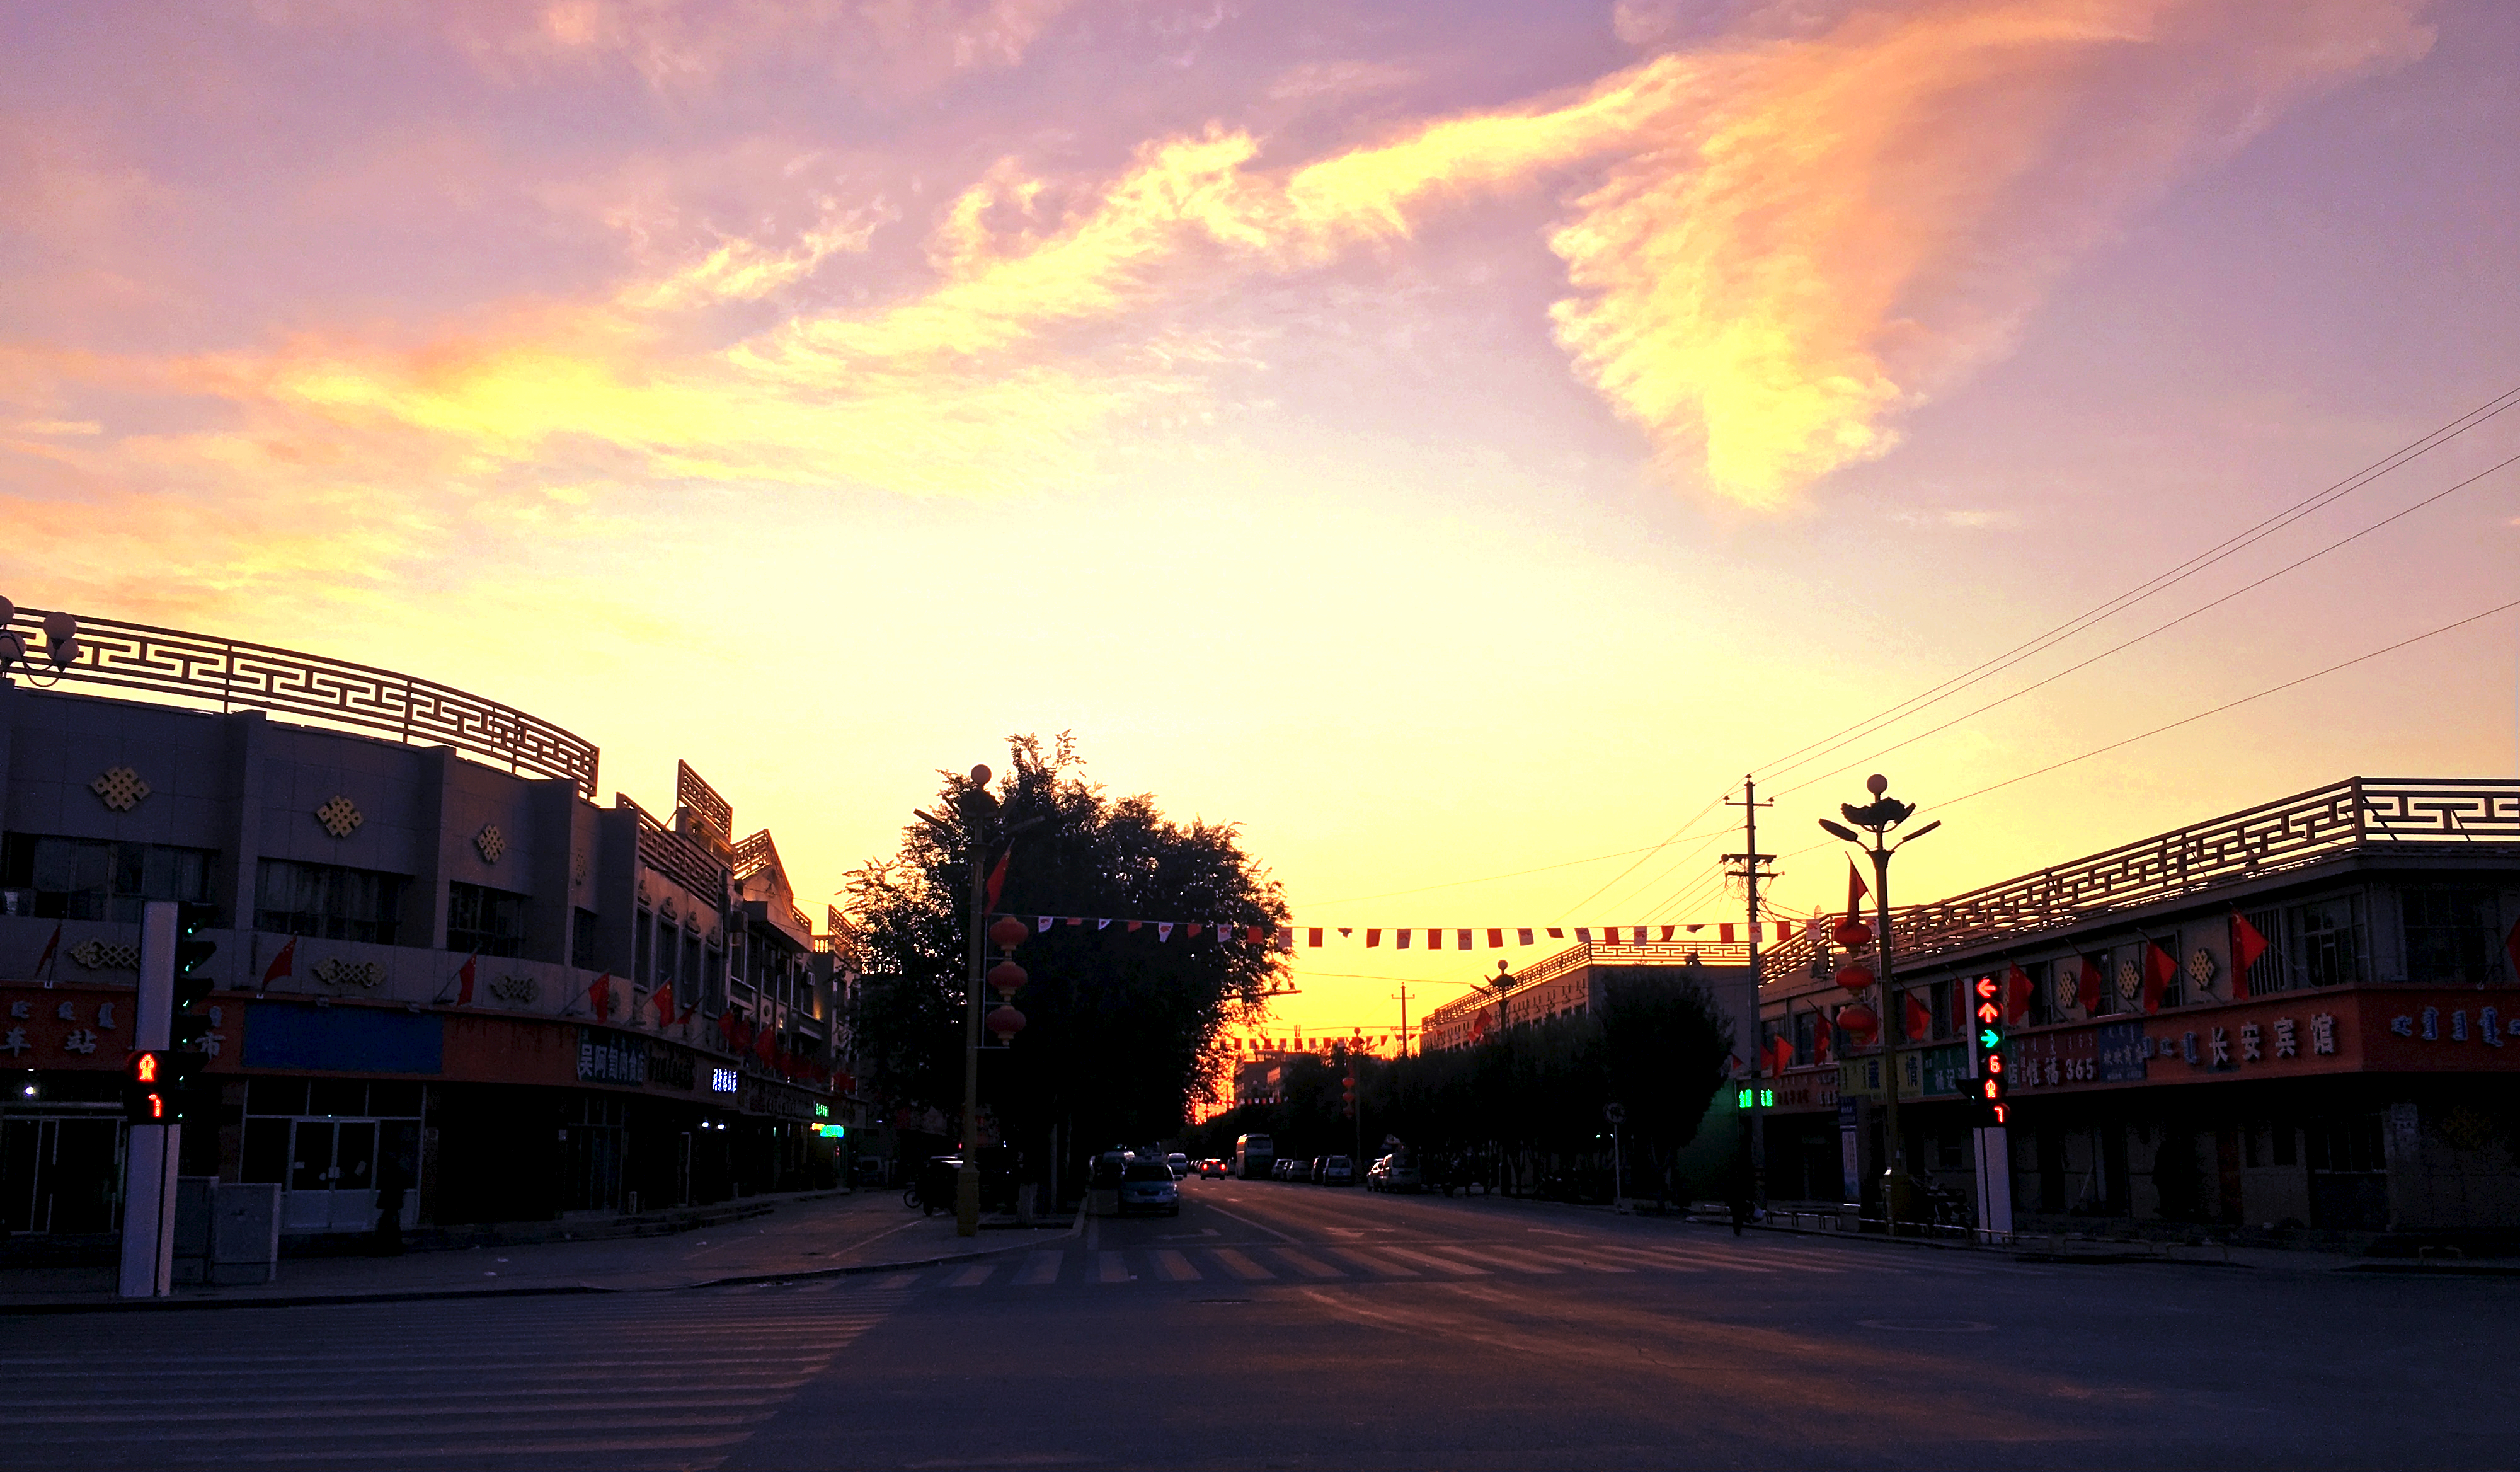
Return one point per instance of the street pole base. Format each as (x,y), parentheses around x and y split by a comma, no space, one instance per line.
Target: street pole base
(967,1201)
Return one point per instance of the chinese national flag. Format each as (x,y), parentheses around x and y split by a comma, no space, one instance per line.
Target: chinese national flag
(765,1043)
(1823,1037)
(1856,890)
(664,1004)
(2087,983)
(2159,971)
(1918,1017)
(464,980)
(2247,945)
(599,993)
(284,963)
(2016,996)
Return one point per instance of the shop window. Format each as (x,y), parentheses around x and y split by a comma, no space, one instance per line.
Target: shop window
(266,1151)
(2104,964)
(713,977)
(95,879)
(2452,936)
(487,921)
(276,1096)
(688,977)
(643,947)
(581,940)
(328,901)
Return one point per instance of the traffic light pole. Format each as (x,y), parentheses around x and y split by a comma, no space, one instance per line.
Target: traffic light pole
(150,1159)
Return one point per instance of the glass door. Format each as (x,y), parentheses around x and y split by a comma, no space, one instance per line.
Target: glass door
(332,1177)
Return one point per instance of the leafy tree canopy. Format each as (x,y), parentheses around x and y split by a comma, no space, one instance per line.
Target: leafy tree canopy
(1124,1028)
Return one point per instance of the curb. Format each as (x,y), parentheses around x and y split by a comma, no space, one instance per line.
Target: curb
(550,1290)
(852,1270)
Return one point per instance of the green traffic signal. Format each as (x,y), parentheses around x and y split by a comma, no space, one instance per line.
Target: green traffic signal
(1989,1038)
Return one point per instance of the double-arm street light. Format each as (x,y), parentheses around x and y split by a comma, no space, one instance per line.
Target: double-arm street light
(1876,818)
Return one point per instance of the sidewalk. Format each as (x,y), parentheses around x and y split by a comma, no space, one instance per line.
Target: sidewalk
(799,1236)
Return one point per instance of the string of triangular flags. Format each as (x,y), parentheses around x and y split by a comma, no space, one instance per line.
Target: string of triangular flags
(1427,937)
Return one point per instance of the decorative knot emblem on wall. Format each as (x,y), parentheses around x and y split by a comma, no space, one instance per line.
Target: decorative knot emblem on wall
(2202,968)
(491,842)
(2129,980)
(106,955)
(366,975)
(519,990)
(341,817)
(119,788)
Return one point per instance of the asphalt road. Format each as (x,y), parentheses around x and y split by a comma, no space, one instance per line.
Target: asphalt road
(1282,1325)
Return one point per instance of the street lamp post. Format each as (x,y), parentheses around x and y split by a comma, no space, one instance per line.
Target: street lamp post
(966,1180)
(1877,818)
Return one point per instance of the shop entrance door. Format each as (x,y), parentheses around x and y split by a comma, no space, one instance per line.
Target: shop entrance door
(331,1177)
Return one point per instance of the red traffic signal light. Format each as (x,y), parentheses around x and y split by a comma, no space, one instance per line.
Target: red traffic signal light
(148,1089)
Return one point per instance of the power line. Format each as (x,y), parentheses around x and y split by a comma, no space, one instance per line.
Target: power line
(2160,583)
(1656,848)
(2232,704)
(2289,567)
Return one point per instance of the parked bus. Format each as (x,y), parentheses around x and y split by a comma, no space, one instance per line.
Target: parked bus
(1253,1155)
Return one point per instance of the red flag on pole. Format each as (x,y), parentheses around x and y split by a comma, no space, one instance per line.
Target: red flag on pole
(1918,1017)
(998,874)
(2247,945)
(1823,1036)
(1856,890)
(2087,983)
(282,963)
(765,1043)
(51,947)
(2016,996)
(2159,971)
(664,1004)
(599,995)
(464,980)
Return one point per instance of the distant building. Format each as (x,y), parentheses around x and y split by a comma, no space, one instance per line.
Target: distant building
(437,955)
(1576,982)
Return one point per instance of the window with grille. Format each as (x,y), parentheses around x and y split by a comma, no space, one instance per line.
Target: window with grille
(491,922)
(98,879)
(2450,935)
(330,901)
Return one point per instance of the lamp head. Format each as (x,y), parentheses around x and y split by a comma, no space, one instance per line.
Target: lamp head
(1839,830)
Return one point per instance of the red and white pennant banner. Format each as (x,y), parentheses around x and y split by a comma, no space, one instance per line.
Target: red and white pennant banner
(1436,936)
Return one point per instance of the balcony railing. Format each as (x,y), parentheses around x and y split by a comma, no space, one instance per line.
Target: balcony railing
(1583,953)
(231,673)
(2360,813)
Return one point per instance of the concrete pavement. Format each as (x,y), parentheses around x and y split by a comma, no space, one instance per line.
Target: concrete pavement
(809,1234)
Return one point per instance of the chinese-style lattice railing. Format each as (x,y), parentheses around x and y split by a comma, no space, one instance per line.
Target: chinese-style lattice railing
(2358,814)
(231,673)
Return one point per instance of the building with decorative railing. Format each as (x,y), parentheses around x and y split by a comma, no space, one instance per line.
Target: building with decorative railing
(440,963)
(2303,1017)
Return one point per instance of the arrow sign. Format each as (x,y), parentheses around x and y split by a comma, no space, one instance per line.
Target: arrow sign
(1989,1038)
(1986,1012)
(1986,985)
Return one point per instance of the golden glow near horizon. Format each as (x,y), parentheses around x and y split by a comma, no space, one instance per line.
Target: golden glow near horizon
(1453,448)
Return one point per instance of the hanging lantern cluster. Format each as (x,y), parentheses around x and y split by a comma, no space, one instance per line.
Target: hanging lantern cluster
(1004,1022)
(1852,934)
(1853,977)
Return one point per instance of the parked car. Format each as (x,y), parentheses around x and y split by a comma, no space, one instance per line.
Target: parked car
(1180,1164)
(1394,1172)
(1289,1169)
(1147,1185)
(1314,1174)
(1337,1171)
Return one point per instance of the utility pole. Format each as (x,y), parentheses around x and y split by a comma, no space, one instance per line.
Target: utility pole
(1751,871)
(1403,995)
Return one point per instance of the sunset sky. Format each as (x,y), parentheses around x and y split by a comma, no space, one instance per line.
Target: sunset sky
(1447,440)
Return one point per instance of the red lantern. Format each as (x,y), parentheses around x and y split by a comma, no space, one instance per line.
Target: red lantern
(1005,1023)
(1006,976)
(1008,932)
(1855,978)
(1852,933)
(1859,1022)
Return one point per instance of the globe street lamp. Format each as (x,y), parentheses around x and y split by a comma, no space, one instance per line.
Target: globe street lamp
(1876,818)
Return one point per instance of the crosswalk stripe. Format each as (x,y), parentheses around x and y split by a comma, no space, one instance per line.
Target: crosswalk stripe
(1372,1264)
(1175,1267)
(1502,1259)
(973,1277)
(1238,1265)
(896,1281)
(1112,1269)
(1308,1265)
(1444,1264)
(1041,1268)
